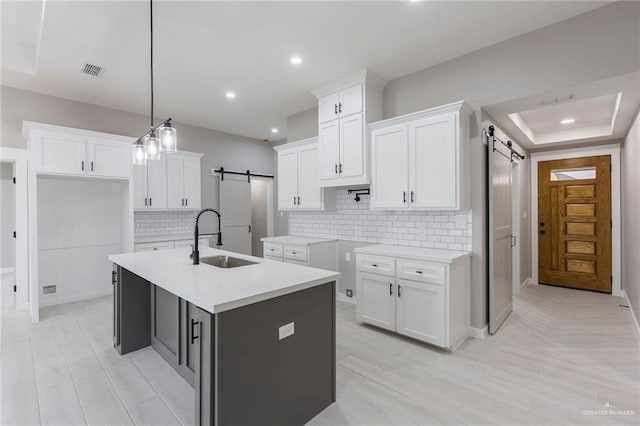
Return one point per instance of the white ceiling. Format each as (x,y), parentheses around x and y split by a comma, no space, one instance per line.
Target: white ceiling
(204,49)
(602,110)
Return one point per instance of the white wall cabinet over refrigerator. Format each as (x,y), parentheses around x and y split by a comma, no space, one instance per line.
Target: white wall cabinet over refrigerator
(420,161)
(298,185)
(419,293)
(345,107)
(61,151)
(183,181)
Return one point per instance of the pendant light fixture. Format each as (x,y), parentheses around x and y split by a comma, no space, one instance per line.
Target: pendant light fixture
(160,138)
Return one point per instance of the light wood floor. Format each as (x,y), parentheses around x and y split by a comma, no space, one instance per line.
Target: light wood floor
(560,357)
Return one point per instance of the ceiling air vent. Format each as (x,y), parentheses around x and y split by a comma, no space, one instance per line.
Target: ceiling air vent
(93,70)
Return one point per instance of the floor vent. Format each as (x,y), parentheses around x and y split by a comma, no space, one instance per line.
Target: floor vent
(93,70)
(48,289)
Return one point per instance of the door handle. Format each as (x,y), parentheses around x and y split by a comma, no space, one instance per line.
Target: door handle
(182,202)
(150,201)
(193,333)
(336,167)
(542,232)
(390,289)
(145,201)
(92,166)
(404,196)
(186,201)
(412,196)
(335,108)
(294,200)
(513,241)
(82,165)
(298,200)
(340,168)
(340,107)
(399,290)
(249,228)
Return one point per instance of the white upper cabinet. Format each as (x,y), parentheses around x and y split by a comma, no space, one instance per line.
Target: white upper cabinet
(420,161)
(389,150)
(183,181)
(108,158)
(345,107)
(65,151)
(150,185)
(298,177)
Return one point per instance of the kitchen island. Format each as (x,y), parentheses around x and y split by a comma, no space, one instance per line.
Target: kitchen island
(257,340)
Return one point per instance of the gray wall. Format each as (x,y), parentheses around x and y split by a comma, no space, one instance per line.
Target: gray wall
(220,149)
(596,45)
(630,212)
(258,215)
(7,216)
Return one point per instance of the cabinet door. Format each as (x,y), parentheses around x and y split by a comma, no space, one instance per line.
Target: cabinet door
(157,183)
(309,189)
(433,163)
(175,182)
(351,146)
(108,158)
(376,300)
(164,323)
(192,183)
(288,179)
(328,108)
(201,340)
(60,153)
(140,198)
(421,311)
(390,169)
(350,101)
(329,137)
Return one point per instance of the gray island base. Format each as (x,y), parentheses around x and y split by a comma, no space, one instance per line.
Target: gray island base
(269,362)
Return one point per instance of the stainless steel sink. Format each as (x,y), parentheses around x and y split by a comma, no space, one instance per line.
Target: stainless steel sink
(226,261)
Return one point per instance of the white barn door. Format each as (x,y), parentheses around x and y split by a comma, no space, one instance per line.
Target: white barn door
(235,213)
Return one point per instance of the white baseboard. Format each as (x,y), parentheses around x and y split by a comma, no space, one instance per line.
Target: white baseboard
(479,333)
(525,282)
(633,314)
(341,297)
(86,296)
(8,270)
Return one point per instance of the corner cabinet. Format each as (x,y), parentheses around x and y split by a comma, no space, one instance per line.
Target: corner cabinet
(420,161)
(419,293)
(298,187)
(72,152)
(345,108)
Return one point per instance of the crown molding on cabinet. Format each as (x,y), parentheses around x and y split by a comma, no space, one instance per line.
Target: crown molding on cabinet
(460,106)
(296,144)
(366,76)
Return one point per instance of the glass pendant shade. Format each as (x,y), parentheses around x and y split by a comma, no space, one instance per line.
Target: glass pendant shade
(152,146)
(139,153)
(168,140)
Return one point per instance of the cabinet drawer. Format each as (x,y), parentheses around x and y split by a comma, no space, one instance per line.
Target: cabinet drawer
(295,253)
(162,245)
(272,250)
(377,265)
(427,272)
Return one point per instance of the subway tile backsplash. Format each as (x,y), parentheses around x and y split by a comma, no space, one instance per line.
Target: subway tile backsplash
(151,224)
(450,230)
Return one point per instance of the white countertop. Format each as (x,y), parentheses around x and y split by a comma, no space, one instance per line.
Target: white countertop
(414,253)
(298,241)
(158,238)
(218,289)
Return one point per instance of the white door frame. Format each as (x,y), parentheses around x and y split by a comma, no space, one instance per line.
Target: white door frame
(614,151)
(25,288)
(515,224)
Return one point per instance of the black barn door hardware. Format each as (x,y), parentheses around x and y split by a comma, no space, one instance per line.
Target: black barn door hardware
(221,171)
(508,144)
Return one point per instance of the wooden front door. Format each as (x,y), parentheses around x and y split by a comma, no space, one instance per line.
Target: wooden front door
(574,229)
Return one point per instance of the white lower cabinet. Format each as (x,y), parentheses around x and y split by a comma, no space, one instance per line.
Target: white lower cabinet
(425,299)
(317,253)
(165,245)
(376,300)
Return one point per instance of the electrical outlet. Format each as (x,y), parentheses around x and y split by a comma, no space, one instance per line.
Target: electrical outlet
(49,289)
(347,257)
(349,293)
(286,331)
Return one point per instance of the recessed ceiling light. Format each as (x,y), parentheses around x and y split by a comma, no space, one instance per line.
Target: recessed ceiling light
(295,60)
(230,95)
(274,130)
(568,121)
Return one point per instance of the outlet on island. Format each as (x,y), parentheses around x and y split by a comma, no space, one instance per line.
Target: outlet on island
(286,331)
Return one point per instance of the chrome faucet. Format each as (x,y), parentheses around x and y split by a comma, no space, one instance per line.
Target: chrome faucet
(195,253)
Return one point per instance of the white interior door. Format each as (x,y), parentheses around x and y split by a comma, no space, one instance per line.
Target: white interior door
(235,212)
(500,238)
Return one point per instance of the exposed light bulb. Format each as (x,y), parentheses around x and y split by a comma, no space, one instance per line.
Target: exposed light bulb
(139,154)
(152,146)
(168,139)
(274,130)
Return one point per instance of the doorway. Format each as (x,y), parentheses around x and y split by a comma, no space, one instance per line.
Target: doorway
(7,241)
(575,224)
(246,210)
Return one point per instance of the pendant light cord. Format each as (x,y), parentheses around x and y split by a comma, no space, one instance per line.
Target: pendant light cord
(151,26)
